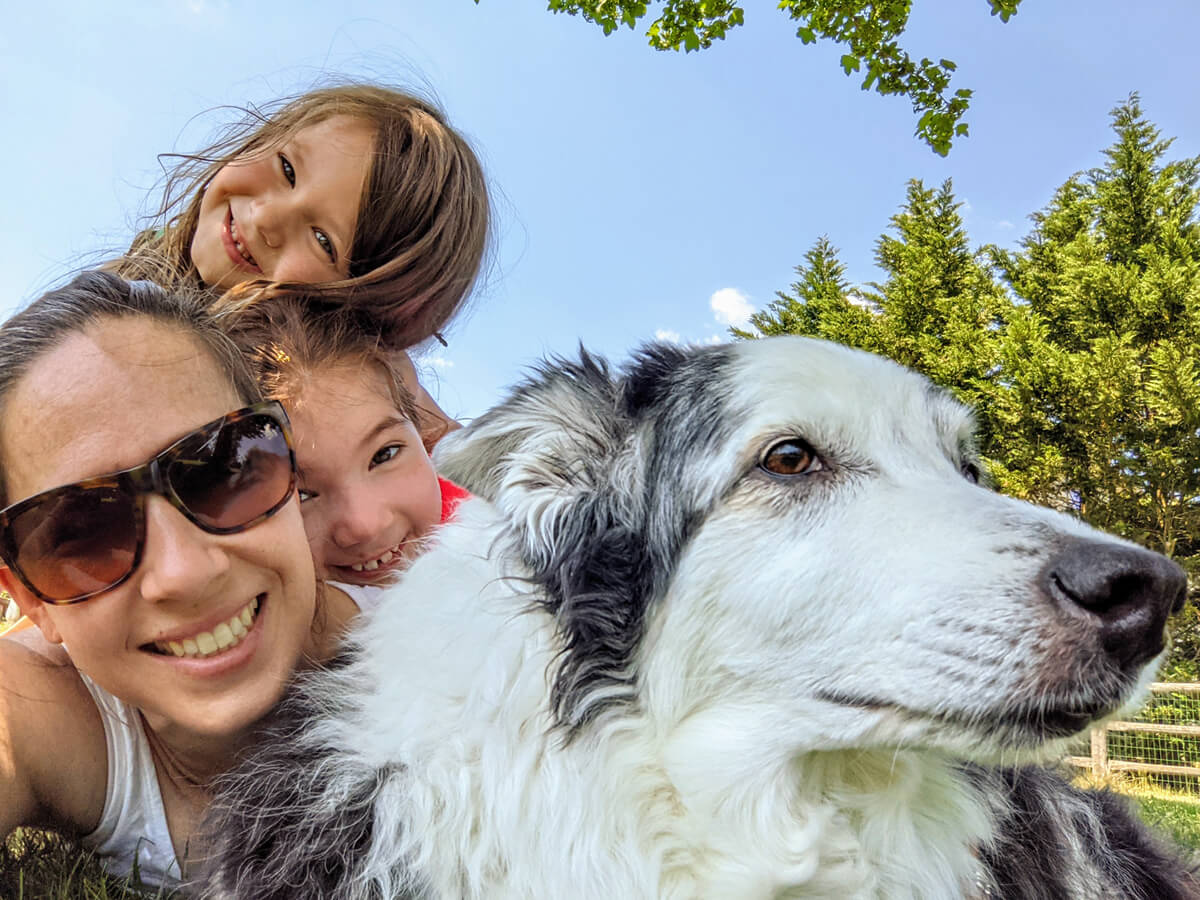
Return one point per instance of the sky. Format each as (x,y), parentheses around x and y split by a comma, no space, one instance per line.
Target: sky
(638,194)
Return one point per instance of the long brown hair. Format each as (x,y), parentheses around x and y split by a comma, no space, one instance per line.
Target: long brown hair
(423,224)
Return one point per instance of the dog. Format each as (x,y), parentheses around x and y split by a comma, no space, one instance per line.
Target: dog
(738,621)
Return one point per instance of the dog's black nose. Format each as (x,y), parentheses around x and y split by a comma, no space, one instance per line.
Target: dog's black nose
(1131,592)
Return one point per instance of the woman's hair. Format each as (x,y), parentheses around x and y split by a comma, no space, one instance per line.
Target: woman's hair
(95,296)
(288,343)
(423,223)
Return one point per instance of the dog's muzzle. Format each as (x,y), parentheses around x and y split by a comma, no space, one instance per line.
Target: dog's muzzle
(1126,591)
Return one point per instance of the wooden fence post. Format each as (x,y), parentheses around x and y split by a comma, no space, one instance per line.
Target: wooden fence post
(1100,752)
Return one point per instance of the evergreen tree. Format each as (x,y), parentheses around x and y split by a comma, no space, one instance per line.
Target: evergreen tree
(1103,404)
(819,304)
(939,305)
(936,311)
(1085,372)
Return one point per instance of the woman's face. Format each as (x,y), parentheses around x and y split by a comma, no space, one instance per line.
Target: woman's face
(287,213)
(111,398)
(369,490)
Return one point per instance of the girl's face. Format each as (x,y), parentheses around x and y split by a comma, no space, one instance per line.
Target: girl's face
(111,398)
(288,213)
(368,489)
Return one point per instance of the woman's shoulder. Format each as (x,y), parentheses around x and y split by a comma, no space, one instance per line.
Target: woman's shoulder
(51,732)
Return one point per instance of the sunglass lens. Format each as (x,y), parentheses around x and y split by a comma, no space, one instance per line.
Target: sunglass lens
(234,475)
(77,541)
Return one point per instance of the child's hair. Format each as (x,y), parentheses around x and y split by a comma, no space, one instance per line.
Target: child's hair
(93,297)
(287,343)
(423,223)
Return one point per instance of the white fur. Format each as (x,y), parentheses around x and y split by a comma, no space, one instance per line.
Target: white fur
(728,772)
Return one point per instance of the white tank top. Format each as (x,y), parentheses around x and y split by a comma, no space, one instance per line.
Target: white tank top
(133,824)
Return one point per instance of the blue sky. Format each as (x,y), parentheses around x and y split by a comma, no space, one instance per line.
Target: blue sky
(634,189)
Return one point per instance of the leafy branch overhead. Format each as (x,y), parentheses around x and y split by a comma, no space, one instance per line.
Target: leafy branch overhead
(868,30)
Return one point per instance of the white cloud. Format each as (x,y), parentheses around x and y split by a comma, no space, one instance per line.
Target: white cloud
(856,298)
(731,307)
(1005,224)
(205,7)
(440,362)
(714,339)
(664,334)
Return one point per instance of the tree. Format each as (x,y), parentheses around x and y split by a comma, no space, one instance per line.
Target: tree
(1082,360)
(936,311)
(819,306)
(1109,285)
(869,30)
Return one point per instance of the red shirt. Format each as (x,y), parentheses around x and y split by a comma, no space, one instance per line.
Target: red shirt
(452,495)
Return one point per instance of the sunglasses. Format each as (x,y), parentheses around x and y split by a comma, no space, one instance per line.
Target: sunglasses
(73,542)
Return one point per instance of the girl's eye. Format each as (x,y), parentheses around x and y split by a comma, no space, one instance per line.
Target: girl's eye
(384,454)
(288,172)
(326,244)
(305,496)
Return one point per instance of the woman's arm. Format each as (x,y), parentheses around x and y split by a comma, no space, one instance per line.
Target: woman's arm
(53,757)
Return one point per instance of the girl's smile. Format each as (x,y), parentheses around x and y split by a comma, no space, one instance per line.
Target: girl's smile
(287,212)
(238,254)
(369,493)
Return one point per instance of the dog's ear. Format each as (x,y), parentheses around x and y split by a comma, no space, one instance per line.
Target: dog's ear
(556,432)
(558,459)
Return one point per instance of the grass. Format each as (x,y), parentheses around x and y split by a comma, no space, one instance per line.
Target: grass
(1175,817)
(40,865)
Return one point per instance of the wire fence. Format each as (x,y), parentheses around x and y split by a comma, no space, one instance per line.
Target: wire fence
(1159,748)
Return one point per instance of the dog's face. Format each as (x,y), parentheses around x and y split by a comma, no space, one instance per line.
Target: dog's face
(794,525)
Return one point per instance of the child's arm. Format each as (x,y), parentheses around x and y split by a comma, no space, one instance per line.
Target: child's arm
(435,423)
(53,758)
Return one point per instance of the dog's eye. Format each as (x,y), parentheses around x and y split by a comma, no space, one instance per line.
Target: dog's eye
(972,472)
(790,457)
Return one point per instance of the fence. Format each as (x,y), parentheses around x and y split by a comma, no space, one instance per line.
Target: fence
(1160,746)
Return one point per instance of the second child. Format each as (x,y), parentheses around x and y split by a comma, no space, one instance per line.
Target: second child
(368,490)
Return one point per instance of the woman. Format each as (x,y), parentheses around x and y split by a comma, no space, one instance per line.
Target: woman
(152,531)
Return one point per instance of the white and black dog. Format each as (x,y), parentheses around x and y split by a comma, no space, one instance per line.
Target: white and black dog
(737,621)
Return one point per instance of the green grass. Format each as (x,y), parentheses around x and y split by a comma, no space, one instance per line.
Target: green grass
(1176,817)
(40,865)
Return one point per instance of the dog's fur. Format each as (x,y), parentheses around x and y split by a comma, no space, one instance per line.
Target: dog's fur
(654,666)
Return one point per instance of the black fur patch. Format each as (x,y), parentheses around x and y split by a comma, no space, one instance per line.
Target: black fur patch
(1058,842)
(613,553)
(273,832)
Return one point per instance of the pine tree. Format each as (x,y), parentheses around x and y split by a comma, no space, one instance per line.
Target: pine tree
(939,305)
(1100,393)
(820,304)
(1083,362)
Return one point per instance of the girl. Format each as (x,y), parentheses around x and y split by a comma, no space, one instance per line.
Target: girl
(151,529)
(368,491)
(357,196)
